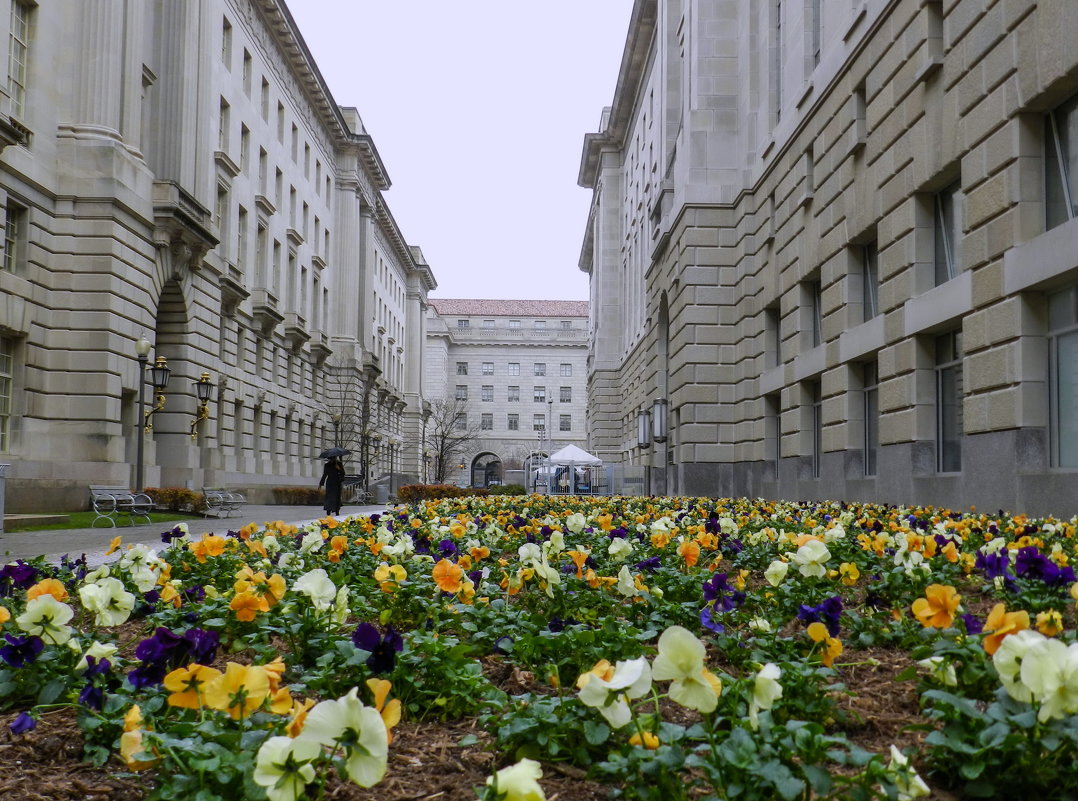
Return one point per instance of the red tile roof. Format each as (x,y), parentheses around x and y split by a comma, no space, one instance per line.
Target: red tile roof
(510,308)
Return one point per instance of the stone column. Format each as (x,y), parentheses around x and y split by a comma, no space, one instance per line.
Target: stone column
(99,70)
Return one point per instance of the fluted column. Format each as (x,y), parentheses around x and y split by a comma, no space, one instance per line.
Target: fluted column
(99,69)
(347,267)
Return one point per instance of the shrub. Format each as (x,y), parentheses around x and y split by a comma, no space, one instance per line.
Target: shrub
(412,493)
(298,496)
(508,489)
(177,499)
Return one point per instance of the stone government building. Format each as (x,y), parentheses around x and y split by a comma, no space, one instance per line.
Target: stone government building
(180,171)
(519,370)
(839,239)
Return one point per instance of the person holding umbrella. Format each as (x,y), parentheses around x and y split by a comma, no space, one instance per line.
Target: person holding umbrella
(332,479)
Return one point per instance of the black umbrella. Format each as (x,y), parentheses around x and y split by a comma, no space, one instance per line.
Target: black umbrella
(333,453)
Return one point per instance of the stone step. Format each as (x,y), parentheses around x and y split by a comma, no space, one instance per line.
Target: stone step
(21,521)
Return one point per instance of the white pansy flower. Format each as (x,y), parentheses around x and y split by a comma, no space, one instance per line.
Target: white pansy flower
(316,585)
(765,691)
(811,559)
(776,572)
(47,618)
(619,549)
(311,542)
(576,522)
(108,600)
(626,583)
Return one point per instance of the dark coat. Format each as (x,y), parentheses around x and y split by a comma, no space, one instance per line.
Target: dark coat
(332,478)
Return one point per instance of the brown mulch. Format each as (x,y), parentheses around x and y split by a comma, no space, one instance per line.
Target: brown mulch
(427,762)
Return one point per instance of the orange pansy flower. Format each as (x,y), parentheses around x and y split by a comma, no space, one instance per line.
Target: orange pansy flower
(937,609)
(1000,624)
(49,586)
(449,576)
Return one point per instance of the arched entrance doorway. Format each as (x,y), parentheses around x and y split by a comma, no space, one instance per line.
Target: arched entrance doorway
(486,470)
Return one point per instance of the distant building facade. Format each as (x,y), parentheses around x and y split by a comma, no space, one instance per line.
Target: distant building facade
(180,172)
(840,241)
(520,369)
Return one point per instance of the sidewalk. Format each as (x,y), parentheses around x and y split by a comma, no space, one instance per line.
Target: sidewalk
(94,542)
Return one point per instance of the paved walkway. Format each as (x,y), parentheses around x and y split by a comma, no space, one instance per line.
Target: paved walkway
(94,542)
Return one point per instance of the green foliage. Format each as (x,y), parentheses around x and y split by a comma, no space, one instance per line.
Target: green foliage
(298,496)
(177,499)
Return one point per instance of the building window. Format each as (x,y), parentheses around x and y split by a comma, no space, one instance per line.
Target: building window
(462,324)
(514,368)
(226,42)
(222,127)
(949,402)
(538,422)
(771,336)
(513,422)
(462,368)
(870,384)
(460,422)
(566,370)
(947,235)
(486,422)
(514,394)
(816,409)
(772,429)
(870,280)
(7,379)
(488,368)
(539,368)
(462,392)
(19,45)
(565,395)
(540,323)
(539,394)
(1060,169)
(488,324)
(1063,375)
(813,298)
(565,422)
(488,394)
(566,325)
(514,323)
(14,238)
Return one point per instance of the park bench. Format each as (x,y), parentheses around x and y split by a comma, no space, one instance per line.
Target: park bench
(222,502)
(352,491)
(110,502)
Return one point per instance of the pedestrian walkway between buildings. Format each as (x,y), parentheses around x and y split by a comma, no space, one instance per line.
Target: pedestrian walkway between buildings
(94,542)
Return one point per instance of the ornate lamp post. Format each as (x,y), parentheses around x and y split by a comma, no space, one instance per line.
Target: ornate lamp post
(203,391)
(159,375)
(142,350)
(337,430)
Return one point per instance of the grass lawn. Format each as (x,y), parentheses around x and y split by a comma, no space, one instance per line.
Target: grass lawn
(86,520)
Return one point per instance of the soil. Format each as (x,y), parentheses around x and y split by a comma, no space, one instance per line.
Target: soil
(426,760)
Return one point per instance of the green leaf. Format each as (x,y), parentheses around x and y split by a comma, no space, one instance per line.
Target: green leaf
(819,778)
(596,732)
(906,675)
(51,691)
(971,769)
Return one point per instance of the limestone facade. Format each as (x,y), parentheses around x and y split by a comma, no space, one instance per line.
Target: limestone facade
(520,369)
(180,171)
(840,239)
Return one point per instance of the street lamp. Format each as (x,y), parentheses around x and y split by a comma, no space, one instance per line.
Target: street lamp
(159,375)
(142,350)
(658,420)
(337,430)
(643,428)
(203,391)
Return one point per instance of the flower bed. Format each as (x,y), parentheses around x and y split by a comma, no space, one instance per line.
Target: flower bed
(668,648)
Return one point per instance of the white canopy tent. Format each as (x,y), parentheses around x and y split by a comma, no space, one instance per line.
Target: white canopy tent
(570,471)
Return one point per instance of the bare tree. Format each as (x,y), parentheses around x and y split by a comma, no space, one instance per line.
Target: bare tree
(449,431)
(348,402)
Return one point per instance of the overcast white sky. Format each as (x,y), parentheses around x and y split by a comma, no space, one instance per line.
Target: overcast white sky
(478,109)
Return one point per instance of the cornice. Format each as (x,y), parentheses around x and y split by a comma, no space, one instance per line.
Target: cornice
(634,59)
